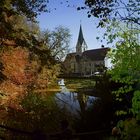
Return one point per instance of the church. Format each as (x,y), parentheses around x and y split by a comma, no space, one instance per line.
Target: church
(85,62)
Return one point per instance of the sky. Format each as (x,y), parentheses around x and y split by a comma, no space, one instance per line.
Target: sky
(69,17)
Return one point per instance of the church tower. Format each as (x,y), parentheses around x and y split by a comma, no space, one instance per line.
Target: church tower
(81,45)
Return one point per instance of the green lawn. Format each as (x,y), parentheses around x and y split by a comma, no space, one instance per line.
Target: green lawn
(79,83)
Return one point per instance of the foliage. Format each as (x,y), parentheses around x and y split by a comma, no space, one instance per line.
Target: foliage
(14,15)
(105,11)
(136,104)
(41,108)
(24,72)
(130,129)
(29,8)
(39,112)
(125,60)
(20,73)
(47,77)
(14,61)
(27,63)
(57,41)
(121,19)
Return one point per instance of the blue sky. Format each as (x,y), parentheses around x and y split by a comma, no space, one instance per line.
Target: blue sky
(69,17)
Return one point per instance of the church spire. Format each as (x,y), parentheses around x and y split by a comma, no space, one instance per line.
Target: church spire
(81,44)
(80,37)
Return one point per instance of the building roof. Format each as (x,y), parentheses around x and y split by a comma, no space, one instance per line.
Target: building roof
(80,37)
(69,56)
(96,54)
(73,55)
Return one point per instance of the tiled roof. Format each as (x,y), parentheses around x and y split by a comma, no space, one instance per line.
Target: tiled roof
(96,54)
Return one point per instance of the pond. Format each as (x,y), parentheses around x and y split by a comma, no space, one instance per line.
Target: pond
(91,107)
(72,99)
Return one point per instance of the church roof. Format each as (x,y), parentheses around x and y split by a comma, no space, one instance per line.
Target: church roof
(96,54)
(70,55)
(80,37)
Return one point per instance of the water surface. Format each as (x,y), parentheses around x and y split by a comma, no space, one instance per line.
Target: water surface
(73,101)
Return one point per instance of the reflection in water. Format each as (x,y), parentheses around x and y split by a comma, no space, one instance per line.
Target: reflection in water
(74,102)
(61,82)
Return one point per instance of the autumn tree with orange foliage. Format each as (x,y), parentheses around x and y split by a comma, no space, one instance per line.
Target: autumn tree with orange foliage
(26,65)
(19,75)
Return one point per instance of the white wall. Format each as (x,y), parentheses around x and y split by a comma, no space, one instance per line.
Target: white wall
(108,63)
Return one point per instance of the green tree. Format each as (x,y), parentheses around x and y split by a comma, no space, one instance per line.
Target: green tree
(125,59)
(121,20)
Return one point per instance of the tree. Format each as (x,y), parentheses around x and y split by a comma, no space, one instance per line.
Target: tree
(27,63)
(106,10)
(125,59)
(19,73)
(122,21)
(14,9)
(28,8)
(57,42)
